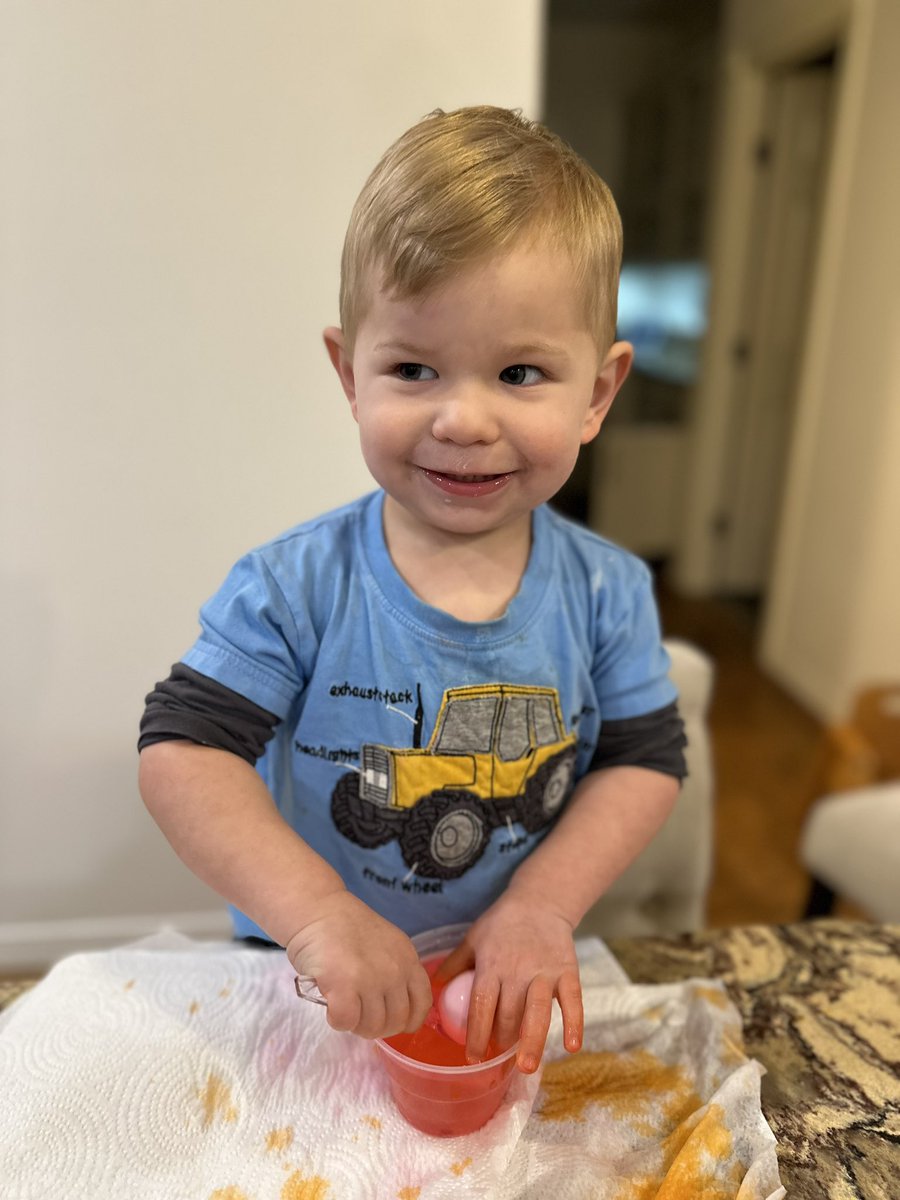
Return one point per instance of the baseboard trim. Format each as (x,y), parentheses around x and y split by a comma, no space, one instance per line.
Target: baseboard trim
(35,945)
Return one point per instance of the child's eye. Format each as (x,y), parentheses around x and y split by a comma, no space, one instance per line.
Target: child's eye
(415,372)
(521,375)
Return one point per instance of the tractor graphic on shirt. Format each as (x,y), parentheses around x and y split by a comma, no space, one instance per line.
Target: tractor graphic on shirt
(498,753)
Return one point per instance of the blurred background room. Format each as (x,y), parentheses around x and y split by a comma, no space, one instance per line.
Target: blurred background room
(177,179)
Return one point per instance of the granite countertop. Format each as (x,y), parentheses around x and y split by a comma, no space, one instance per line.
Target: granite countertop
(820,1006)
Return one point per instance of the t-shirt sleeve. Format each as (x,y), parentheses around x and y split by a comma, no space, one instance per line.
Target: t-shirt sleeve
(655,741)
(252,639)
(192,707)
(631,665)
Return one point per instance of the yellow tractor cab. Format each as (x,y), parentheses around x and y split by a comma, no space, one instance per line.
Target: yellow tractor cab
(498,753)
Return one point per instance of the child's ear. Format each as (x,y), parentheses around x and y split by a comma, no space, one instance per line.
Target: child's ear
(342,362)
(609,379)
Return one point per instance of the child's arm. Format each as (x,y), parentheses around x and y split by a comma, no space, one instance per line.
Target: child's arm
(523,947)
(218,816)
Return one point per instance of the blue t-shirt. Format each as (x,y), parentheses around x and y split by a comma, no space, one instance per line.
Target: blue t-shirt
(423,756)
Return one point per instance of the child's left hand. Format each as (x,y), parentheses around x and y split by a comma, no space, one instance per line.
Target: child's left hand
(523,954)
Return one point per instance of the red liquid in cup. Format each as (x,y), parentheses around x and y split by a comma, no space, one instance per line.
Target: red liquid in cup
(454,1097)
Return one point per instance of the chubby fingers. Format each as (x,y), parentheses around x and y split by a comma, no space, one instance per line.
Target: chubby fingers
(535,1024)
(482,1007)
(568,992)
(505,1013)
(377,1013)
(508,1016)
(536,1018)
(345,1010)
(420,999)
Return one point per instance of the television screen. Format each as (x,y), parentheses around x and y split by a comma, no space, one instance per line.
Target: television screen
(663,313)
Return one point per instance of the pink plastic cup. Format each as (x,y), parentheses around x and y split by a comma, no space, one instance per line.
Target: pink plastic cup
(446,1101)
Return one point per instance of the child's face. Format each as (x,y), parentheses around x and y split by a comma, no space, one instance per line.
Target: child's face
(473,400)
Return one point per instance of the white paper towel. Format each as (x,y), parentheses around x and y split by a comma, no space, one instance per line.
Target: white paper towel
(181,1071)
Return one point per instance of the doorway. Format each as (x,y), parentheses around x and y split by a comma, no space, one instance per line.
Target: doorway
(639,88)
(630,84)
(789,167)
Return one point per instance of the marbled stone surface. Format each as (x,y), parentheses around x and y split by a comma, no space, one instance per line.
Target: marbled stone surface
(820,1005)
(11,988)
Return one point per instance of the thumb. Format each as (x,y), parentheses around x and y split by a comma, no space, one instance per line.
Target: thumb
(460,959)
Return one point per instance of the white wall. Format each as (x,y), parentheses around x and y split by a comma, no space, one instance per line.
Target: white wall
(176,180)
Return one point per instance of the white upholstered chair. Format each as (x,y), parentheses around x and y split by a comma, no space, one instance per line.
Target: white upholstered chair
(664,891)
(851,848)
(850,842)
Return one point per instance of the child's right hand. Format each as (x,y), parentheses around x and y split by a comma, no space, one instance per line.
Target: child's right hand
(366,968)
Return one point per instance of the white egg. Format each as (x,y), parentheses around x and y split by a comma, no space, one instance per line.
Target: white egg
(453,1004)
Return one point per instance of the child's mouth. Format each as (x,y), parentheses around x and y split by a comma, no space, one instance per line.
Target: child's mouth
(467,485)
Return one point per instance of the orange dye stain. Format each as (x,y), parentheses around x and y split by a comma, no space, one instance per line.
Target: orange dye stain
(299,1188)
(703,1135)
(633,1086)
(279,1139)
(228,1193)
(732,1050)
(194,1007)
(410,1193)
(458,1168)
(695,1163)
(216,1100)
(711,995)
(130,984)
(375,1122)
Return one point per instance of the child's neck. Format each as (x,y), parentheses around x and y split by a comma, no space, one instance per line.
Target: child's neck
(473,578)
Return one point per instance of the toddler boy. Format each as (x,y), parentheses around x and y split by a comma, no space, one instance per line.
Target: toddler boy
(443,702)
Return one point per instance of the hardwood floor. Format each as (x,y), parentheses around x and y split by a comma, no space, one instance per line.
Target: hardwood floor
(765,748)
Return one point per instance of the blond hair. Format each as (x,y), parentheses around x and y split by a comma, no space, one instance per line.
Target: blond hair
(464,185)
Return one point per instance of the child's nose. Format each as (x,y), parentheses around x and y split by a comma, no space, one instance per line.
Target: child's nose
(464,417)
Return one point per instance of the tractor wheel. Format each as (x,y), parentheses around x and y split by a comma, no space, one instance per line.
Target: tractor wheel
(546,791)
(359,820)
(445,834)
